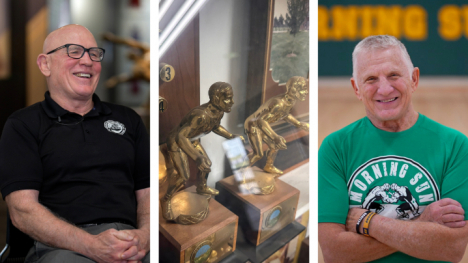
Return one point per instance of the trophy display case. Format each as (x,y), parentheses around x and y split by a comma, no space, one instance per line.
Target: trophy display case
(262,101)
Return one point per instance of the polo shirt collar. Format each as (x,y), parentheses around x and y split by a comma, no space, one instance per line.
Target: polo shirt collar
(53,110)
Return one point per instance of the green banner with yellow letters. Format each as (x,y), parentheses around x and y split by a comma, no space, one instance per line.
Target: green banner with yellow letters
(435,33)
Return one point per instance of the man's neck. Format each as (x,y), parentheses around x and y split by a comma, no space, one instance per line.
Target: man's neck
(396,125)
(77,106)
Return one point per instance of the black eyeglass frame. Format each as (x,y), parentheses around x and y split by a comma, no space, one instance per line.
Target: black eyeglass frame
(84,51)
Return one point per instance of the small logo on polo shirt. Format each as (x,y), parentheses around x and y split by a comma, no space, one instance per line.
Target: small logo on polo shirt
(115,127)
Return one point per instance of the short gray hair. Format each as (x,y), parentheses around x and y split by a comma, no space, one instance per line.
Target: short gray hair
(381,42)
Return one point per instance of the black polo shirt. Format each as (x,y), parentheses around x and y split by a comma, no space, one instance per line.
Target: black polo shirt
(86,168)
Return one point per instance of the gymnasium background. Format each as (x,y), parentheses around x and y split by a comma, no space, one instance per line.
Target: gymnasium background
(435,34)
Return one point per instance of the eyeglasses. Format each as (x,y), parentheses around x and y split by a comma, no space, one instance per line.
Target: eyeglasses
(77,52)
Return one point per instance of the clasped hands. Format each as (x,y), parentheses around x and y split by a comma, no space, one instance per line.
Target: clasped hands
(124,246)
(446,212)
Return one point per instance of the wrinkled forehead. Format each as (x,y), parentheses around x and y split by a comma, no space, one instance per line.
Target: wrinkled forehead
(71,34)
(366,60)
(379,54)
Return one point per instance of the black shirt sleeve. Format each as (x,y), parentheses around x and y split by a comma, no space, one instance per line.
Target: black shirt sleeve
(20,163)
(142,156)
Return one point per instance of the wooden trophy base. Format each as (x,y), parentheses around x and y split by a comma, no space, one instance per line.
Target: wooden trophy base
(208,241)
(260,216)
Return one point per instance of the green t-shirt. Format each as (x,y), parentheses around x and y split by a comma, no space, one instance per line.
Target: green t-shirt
(395,174)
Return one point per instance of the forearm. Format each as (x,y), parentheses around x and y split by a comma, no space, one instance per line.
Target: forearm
(143,215)
(221,131)
(42,225)
(420,239)
(339,245)
(292,120)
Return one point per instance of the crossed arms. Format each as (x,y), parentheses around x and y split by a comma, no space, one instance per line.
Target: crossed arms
(442,222)
(126,246)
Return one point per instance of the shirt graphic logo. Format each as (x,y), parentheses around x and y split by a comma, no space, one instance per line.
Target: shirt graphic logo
(391,194)
(393,186)
(115,127)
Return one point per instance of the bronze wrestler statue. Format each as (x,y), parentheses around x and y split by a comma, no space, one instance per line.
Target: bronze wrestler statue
(257,125)
(141,67)
(184,140)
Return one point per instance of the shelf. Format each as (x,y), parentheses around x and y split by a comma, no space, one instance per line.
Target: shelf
(247,252)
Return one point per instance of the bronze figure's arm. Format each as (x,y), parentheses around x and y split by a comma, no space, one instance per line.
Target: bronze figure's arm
(295,122)
(221,131)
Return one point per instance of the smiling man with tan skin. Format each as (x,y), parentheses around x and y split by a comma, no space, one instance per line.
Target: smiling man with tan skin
(75,170)
(422,217)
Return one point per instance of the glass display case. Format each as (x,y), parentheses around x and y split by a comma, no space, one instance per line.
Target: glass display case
(233,70)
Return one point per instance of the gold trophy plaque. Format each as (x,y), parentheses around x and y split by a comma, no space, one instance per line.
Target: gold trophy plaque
(209,241)
(260,216)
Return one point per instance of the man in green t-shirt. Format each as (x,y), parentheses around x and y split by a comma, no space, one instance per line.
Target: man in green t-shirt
(393,185)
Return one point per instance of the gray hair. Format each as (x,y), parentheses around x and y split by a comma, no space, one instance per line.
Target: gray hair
(381,42)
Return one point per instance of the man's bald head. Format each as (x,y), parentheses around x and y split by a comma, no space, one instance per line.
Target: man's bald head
(69,78)
(62,36)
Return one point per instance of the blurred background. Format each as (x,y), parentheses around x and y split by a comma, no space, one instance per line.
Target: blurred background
(24,24)
(435,34)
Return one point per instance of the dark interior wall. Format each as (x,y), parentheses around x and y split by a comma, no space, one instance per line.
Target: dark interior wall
(33,6)
(13,89)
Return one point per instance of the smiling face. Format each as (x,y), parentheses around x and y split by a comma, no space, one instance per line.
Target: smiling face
(384,84)
(69,78)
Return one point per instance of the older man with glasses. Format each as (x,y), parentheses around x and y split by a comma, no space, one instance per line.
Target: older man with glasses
(74,171)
